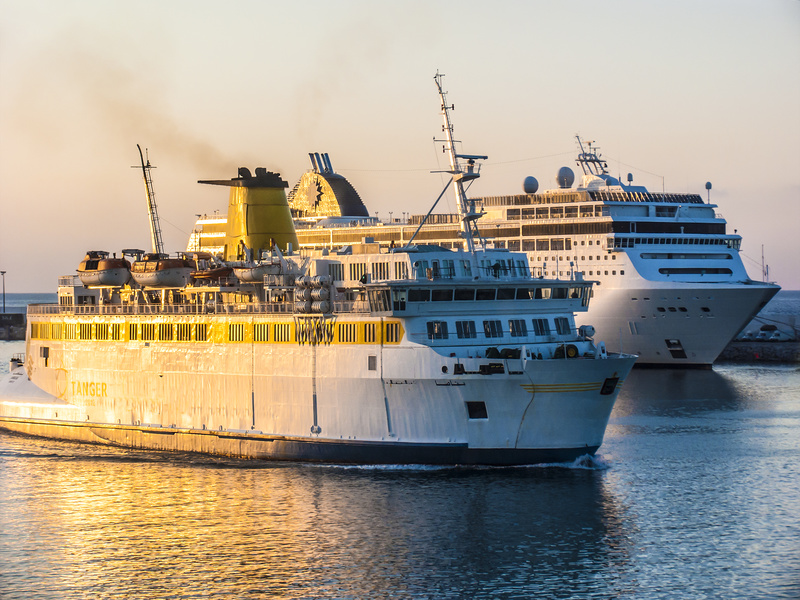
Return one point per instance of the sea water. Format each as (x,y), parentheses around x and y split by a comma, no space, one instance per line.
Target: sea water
(694,494)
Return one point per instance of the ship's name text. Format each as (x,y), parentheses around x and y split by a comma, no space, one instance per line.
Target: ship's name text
(89,388)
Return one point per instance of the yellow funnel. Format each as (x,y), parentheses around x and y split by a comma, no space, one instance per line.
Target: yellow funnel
(258,214)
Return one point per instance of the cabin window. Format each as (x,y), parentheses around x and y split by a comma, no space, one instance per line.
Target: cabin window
(562,325)
(466,329)
(101,331)
(347,333)
(506,293)
(183,332)
(448,269)
(380,271)
(464,294)
(466,268)
(541,327)
(484,294)
(379,300)
(336,271)
(416,295)
(165,332)
(392,332)
(477,410)
(517,328)
(357,271)
(399,299)
(493,329)
(437,330)
(438,295)
(372,362)
(400,270)
(281,331)
(261,332)
(236,332)
(148,331)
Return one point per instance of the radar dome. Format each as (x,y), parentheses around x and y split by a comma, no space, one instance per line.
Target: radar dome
(565,177)
(530,185)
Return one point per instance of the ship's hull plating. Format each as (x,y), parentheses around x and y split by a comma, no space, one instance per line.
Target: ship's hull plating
(316,403)
(674,324)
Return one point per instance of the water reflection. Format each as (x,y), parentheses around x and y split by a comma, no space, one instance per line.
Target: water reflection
(94,521)
(676,392)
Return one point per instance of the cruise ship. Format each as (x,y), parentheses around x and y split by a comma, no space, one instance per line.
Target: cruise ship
(671,286)
(417,354)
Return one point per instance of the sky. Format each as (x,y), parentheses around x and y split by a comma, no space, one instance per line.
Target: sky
(677,93)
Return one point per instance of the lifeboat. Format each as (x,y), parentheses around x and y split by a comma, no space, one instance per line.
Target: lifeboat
(255,272)
(158,270)
(97,269)
(208,267)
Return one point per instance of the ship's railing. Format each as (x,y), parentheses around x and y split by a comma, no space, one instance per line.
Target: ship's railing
(168,309)
(358,306)
(69,281)
(245,308)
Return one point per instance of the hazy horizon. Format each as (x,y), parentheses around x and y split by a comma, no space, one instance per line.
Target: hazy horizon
(676,93)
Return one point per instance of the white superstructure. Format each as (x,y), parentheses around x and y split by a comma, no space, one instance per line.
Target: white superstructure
(671,286)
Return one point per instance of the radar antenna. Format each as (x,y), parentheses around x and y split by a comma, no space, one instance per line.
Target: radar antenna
(589,159)
(152,210)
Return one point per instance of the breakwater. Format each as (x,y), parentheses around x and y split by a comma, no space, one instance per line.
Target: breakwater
(12,326)
(757,351)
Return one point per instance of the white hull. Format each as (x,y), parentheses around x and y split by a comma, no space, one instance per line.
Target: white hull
(265,399)
(631,319)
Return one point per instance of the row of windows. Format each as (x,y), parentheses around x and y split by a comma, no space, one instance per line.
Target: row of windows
(480,294)
(201,332)
(558,212)
(629,242)
(493,328)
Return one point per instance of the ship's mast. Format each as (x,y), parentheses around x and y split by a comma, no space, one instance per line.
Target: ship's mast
(466,209)
(589,159)
(152,210)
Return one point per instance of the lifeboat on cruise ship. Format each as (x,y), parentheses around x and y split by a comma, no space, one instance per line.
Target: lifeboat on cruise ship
(158,270)
(98,269)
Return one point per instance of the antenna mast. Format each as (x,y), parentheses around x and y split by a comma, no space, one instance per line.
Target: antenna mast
(466,209)
(589,159)
(152,210)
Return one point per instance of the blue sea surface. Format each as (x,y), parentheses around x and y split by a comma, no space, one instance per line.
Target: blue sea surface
(695,494)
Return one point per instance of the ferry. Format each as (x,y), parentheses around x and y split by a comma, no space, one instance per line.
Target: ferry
(671,286)
(415,355)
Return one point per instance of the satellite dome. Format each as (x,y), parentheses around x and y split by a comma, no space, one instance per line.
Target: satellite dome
(565,177)
(530,185)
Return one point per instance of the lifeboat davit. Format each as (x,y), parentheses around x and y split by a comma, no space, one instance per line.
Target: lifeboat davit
(158,270)
(97,269)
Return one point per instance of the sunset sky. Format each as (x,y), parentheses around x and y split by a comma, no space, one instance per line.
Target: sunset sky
(677,93)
